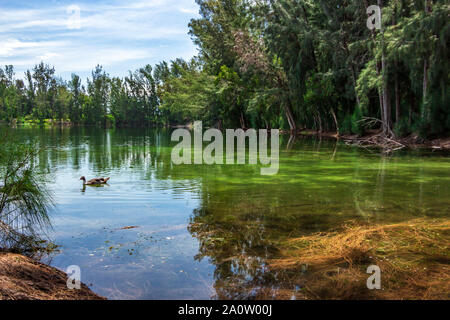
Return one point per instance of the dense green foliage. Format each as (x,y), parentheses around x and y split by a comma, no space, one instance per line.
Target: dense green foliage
(289,64)
(104,101)
(314,64)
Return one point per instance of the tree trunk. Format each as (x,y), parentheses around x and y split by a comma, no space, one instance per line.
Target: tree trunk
(354,85)
(380,99)
(319,120)
(425,88)
(287,106)
(335,120)
(397,97)
(386,105)
(385,90)
(242,121)
(425,111)
(352,69)
(380,91)
(290,118)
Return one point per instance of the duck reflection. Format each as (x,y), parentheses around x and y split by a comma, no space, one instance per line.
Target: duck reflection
(85,186)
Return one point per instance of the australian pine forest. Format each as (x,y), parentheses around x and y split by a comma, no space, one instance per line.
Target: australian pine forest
(284,64)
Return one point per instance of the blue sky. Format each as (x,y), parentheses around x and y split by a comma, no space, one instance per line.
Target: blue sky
(75,36)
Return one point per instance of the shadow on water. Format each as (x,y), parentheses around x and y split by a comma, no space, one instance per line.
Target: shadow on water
(83,190)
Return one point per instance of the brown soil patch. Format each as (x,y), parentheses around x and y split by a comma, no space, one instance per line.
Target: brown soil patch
(22,278)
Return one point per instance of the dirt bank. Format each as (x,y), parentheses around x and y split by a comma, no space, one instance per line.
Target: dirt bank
(22,278)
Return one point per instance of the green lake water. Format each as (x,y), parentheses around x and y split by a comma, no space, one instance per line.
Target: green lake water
(206,232)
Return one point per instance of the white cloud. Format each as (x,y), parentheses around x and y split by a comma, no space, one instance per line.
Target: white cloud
(49,55)
(12,47)
(188,10)
(115,33)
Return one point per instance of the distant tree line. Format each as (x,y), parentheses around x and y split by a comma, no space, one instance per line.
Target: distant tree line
(129,101)
(289,64)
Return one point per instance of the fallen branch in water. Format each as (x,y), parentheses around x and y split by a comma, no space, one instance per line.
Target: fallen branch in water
(378,140)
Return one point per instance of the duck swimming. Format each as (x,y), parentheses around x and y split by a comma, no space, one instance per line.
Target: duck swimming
(96,181)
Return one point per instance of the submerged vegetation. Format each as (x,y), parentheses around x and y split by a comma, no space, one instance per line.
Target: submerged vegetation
(288,64)
(413,256)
